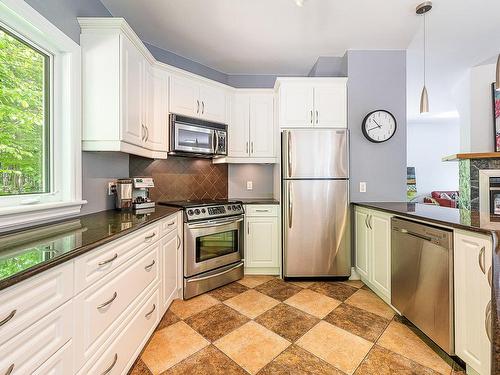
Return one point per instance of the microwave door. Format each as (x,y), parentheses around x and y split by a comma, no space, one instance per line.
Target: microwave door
(194,139)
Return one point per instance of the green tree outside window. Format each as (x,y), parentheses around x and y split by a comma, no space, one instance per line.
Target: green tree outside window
(24,117)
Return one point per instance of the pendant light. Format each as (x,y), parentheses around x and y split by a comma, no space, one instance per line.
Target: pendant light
(497,83)
(424,98)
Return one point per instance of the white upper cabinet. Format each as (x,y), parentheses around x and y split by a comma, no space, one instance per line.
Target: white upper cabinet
(262,126)
(330,104)
(312,102)
(157,123)
(213,103)
(133,88)
(119,91)
(184,96)
(251,129)
(192,98)
(239,128)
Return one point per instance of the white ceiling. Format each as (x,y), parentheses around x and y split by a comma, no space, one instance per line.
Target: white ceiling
(268,36)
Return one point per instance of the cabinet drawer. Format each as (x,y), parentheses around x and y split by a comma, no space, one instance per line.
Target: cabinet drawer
(261,210)
(91,267)
(25,303)
(169,224)
(123,350)
(60,363)
(100,308)
(28,350)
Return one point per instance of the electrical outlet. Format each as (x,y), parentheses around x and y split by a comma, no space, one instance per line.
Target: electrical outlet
(111,187)
(362,187)
(249,185)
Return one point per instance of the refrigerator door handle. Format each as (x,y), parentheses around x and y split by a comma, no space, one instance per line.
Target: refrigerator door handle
(289,146)
(290,205)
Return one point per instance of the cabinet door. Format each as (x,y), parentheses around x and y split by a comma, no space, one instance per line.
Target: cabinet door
(262,125)
(213,103)
(184,97)
(133,78)
(330,110)
(262,242)
(361,242)
(472,297)
(380,252)
(238,130)
(157,124)
(169,254)
(296,106)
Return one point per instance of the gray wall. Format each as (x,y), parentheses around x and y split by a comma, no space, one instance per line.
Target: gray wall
(261,176)
(377,80)
(63,13)
(329,66)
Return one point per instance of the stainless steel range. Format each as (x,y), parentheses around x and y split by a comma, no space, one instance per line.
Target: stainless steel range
(213,244)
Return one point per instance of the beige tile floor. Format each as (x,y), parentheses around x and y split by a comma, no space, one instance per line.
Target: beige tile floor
(263,325)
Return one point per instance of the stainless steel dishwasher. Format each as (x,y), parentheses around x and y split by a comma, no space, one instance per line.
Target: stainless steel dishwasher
(422,279)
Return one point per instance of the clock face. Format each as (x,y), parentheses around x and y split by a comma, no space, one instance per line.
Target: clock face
(379,126)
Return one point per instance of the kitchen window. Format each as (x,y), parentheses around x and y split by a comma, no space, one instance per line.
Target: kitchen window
(25,157)
(40,119)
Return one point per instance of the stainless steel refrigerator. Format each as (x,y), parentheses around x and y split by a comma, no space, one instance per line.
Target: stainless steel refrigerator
(315,185)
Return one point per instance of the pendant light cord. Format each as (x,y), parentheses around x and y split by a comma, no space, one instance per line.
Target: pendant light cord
(425,43)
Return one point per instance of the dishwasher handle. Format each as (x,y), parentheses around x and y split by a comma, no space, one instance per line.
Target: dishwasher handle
(422,237)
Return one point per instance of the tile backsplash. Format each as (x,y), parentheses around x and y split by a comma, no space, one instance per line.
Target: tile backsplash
(178,178)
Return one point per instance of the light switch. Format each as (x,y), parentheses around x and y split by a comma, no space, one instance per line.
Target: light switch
(249,185)
(362,187)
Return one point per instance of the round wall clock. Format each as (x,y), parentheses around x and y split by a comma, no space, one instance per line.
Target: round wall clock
(379,126)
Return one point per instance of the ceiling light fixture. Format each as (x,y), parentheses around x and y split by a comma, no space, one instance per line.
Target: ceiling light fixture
(300,3)
(497,84)
(423,8)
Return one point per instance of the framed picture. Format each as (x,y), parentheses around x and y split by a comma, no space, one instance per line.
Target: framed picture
(496,116)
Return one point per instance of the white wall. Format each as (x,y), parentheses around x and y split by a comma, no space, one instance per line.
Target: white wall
(428,142)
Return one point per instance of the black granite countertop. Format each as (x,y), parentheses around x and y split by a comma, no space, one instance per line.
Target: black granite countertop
(258,200)
(29,251)
(462,219)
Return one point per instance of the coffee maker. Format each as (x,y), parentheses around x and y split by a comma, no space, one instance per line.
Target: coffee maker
(140,193)
(123,194)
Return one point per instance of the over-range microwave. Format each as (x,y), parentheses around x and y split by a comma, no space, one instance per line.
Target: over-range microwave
(197,138)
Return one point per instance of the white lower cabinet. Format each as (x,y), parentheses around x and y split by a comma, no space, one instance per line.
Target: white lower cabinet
(119,355)
(27,351)
(472,268)
(373,250)
(170,253)
(51,327)
(262,240)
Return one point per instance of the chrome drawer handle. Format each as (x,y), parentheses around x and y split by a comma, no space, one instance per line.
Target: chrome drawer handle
(487,320)
(481,259)
(170,224)
(179,242)
(490,277)
(261,210)
(149,266)
(10,369)
(152,311)
(9,317)
(108,261)
(108,370)
(108,302)
(147,238)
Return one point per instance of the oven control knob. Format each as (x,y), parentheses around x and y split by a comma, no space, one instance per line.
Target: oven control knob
(235,207)
(197,211)
(203,211)
(190,212)
(229,208)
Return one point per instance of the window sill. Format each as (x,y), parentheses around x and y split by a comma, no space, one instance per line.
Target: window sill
(41,213)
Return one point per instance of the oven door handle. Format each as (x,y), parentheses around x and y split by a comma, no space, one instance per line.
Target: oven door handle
(214,275)
(214,224)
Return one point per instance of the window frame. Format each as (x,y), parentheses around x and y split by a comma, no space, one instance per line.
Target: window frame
(64,198)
